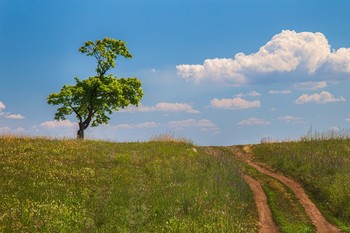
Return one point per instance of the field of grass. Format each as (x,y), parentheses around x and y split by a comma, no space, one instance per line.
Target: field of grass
(91,186)
(321,166)
(287,212)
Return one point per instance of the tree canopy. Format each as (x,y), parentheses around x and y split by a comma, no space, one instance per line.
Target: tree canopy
(92,98)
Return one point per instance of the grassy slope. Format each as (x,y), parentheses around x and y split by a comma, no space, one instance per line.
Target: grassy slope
(71,186)
(287,212)
(322,166)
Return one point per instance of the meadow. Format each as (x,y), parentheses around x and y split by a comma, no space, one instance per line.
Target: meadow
(94,186)
(322,165)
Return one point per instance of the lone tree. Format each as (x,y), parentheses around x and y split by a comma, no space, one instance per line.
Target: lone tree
(92,98)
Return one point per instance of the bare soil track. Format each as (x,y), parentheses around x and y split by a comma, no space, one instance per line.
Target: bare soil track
(318,220)
(266,223)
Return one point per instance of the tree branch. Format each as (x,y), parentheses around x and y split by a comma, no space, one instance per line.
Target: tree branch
(76,112)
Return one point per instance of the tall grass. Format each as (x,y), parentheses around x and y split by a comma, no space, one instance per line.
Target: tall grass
(322,165)
(287,212)
(94,186)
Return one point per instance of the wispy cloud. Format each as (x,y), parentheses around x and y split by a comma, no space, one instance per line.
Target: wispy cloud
(280,92)
(286,52)
(347,118)
(289,118)
(310,85)
(252,93)
(14,116)
(322,98)
(234,104)
(143,125)
(203,124)
(162,107)
(254,121)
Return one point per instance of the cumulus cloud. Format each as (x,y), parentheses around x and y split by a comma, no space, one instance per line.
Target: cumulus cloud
(310,85)
(254,121)
(58,124)
(286,52)
(280,92)
(234,104)
(9,115)
(322,98)
(163,107)
(289,118)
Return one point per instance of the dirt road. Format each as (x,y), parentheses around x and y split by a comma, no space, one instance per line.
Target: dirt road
(321,224)
(266,223)
(265,217)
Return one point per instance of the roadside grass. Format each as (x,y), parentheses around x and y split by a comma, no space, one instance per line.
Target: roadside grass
(321,165)
(94,186)
(287,212)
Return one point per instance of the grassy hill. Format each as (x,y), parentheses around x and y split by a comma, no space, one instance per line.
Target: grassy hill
(92,186)
(322,166)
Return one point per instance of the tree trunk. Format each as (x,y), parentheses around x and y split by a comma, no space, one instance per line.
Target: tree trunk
(80,133)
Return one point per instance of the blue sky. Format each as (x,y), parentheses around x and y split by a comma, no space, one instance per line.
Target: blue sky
(217,72)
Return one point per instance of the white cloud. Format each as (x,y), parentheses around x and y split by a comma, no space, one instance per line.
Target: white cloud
(8,131)
(2,106)
(58,124)
(252,93)
(134,126)
(310,85)
(339,60)
(216,70)
(280,92)
(14,116)
(254,121)
(334,129)
(234,104)
(289,119)
(347,118)
(162,107)
(322,98)
(9,115)
(286,52)
(204,125)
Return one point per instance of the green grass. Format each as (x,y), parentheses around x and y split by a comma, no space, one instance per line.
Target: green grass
(287,212)
(92,186)
(321,166)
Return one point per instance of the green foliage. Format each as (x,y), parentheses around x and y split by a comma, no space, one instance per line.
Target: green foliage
(105,52)
(321,166)
(95,96)
(92,98)
(92,186)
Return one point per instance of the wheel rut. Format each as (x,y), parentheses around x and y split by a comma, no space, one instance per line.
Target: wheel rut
(318,220)
(266,223)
